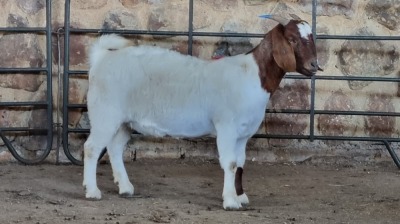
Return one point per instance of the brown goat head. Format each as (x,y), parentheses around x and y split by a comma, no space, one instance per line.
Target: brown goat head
(293,47)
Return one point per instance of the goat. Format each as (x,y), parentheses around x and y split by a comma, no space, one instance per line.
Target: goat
(159,92)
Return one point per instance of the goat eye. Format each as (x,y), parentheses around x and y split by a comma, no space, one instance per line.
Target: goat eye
(292,41)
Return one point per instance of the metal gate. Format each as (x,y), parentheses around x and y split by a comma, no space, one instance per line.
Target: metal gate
(190,33)
(47,128)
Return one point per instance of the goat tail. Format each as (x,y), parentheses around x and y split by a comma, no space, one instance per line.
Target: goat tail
(105,44)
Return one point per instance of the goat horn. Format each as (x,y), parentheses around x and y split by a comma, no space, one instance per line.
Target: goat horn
(295,17)
(277,18)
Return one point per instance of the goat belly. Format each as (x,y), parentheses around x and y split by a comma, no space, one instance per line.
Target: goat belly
(177,128)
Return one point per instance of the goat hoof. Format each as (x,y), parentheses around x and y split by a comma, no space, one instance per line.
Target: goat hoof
(126,190)
(243,199)
(231,204)
(93,194)
(126,195)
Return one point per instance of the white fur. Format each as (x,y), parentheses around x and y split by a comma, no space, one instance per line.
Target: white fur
(110,42)
(304,29)
(159,92)
(243,199)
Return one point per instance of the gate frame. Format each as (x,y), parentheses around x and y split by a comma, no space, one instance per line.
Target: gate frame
(48,104)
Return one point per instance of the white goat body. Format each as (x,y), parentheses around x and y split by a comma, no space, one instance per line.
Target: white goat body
(160,92)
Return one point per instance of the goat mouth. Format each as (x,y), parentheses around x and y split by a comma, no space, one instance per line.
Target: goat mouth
(308,72)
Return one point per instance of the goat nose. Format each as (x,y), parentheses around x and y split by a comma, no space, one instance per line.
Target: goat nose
(314,64)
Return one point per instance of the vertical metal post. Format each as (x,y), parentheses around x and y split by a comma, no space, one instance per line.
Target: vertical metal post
(67,26)
(59,89)
(190,34)
(312,100)
(66,74)
(49,70)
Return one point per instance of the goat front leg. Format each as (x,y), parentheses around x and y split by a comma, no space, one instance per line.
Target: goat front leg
(226,141)
(240,160)
(242,197)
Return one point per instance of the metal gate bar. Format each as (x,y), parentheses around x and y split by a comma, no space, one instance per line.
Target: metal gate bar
(190,34)
(34,105)
(385,141)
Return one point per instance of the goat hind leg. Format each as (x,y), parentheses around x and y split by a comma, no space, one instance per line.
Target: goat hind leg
(91,154)
(115,151)
(100,136)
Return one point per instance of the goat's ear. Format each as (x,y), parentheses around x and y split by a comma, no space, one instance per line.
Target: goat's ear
(282,51)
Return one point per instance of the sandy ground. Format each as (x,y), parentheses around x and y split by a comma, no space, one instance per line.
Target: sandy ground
(189,191)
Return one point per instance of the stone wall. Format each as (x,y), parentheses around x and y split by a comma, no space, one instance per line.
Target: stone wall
(338,57)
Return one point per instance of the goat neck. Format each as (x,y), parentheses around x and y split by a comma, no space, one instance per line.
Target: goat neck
(269,71)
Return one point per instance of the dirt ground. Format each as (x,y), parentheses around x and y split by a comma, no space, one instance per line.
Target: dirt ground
(189,191)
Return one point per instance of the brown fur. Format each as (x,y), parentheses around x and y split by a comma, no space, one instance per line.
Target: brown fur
(282,51)
(238,181)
